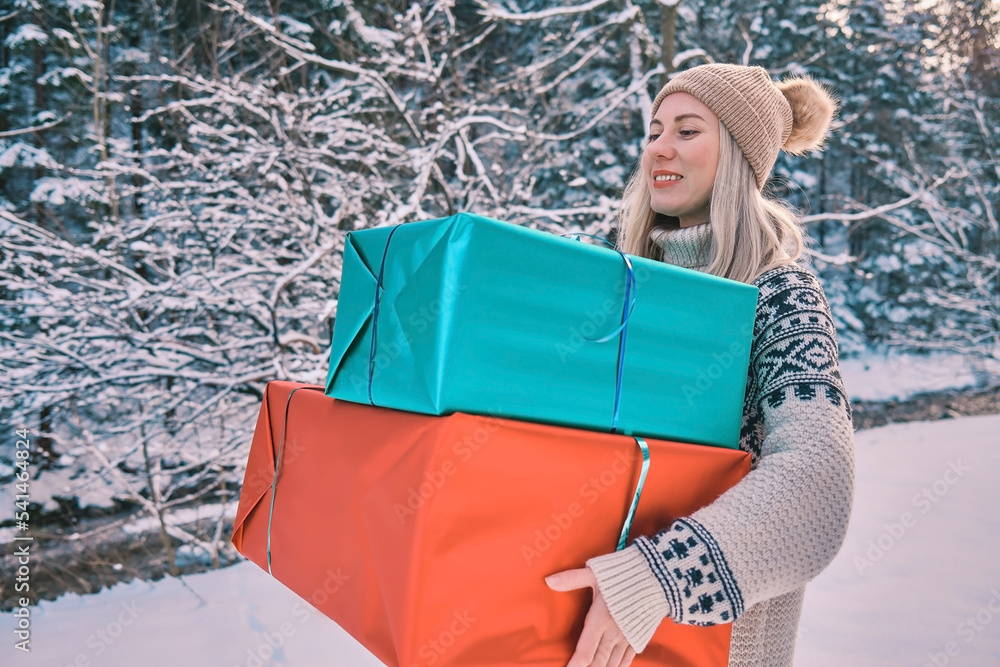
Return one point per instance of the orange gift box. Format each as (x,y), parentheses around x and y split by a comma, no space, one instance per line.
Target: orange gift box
(428,538)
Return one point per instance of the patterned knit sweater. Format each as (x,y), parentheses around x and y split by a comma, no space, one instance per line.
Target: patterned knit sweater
(745,558)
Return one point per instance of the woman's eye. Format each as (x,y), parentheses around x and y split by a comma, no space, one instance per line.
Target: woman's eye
(652,138)
(687,134)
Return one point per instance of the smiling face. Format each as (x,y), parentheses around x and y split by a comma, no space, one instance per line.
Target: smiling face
(681,157)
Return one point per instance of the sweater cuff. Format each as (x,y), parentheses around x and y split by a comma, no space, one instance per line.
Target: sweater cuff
(633,594)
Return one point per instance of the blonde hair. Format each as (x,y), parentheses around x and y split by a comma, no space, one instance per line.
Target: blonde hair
(751,233)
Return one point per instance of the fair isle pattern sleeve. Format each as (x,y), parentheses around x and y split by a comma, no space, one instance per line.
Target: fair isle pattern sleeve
(794,346)
(784,522)
(693,573)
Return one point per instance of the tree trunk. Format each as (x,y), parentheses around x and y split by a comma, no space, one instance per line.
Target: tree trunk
(38,66)
(668,30)
(154,498)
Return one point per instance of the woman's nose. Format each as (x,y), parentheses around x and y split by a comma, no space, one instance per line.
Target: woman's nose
(661,147)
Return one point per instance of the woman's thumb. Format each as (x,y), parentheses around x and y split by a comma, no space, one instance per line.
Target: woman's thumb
(570,580)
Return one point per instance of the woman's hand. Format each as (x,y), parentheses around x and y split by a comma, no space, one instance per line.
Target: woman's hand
(602,643)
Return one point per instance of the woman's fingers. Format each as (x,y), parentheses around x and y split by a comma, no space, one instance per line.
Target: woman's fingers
(627,658)
(586,648)
(605,656)
(618,648)
(610,652)
(570,580)
(601,642)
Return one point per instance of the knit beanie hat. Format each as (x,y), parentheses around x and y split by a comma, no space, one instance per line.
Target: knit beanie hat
(761,115)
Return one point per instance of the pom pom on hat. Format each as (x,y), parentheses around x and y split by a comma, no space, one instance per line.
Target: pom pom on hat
(813,109)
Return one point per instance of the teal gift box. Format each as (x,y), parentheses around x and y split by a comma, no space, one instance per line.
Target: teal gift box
(485,317)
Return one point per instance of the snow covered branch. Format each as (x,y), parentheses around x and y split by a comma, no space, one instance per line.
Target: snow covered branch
(493,13)
(880,211)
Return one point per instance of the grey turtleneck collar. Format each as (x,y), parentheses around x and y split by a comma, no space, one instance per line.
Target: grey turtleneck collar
(688,247)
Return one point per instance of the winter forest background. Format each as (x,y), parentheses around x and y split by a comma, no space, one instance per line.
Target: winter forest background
(177,178)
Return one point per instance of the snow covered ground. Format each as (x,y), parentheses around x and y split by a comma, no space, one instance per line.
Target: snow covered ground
(889,375)
(916,583)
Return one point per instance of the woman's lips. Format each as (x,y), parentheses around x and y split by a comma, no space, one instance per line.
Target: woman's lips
(664,179)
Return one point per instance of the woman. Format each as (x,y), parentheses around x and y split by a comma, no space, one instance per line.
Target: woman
(696,201)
